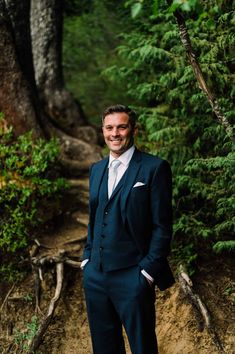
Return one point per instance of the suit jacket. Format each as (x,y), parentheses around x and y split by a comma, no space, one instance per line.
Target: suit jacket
(146,211)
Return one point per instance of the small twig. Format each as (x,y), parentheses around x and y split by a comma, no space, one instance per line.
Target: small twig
(42,245)
(7,296)
(33,251)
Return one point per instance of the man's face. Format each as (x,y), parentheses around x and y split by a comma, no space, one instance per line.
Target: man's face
(118,133)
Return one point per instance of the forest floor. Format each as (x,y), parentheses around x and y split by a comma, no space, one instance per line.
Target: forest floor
(179,329)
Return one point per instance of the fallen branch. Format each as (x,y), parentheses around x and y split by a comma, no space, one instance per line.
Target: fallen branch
(36,340)
(187,287)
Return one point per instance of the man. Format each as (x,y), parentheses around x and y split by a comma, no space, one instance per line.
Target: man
(128,241)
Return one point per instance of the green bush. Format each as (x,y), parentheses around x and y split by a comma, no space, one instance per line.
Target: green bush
(28,182)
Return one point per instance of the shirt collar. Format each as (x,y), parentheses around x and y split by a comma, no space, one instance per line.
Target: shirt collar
(124,158)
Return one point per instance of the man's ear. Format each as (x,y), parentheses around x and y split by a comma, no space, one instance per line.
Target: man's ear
(135,132)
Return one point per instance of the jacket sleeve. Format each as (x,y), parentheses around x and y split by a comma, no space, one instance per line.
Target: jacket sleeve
(161,217)
(87,249)
(88,246)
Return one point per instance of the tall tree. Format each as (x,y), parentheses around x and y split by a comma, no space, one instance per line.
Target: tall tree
(32,94)
(46,29)
(16,93)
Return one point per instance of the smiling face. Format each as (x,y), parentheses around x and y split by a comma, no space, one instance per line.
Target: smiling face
(118,133)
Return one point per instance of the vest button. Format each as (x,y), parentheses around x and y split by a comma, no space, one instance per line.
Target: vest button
(101,248)
(106,212)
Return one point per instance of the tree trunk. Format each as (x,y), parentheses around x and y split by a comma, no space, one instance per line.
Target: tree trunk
(46,30)
(16,95)
(46,108)
(19,14)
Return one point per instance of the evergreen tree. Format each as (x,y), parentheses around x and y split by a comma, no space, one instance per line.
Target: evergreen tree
(176,119)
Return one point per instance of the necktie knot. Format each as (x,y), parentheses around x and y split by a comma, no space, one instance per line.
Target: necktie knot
(115,164)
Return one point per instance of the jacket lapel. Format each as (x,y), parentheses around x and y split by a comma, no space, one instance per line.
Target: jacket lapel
(97,178)
(130,178)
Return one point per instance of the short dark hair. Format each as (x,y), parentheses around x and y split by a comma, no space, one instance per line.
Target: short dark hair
(119,108)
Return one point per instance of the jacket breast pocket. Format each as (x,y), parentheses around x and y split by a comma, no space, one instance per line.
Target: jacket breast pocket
(140,193)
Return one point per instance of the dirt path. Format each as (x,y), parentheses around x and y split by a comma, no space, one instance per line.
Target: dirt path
(68,333)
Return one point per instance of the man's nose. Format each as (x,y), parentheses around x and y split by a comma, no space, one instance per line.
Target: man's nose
(115,132)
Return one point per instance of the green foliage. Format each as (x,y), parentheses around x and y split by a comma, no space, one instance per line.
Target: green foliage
(229,292)
(22,338)
(148,67)
(224,246)
(11,272)
(28,181)
(176,119)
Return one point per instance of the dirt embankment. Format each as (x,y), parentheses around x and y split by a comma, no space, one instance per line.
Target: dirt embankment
(178,328)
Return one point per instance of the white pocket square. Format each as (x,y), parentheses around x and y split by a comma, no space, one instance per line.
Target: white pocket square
(139,184)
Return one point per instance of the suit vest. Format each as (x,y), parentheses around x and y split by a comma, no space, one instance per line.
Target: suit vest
(113,247)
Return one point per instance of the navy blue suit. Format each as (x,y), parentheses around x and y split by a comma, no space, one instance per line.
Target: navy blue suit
(129,232)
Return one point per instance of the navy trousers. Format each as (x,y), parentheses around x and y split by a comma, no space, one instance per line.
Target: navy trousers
(116,298)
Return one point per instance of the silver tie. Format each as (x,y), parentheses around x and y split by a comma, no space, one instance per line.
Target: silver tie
(113,176)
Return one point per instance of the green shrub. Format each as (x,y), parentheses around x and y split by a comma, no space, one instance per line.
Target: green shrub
(29,180)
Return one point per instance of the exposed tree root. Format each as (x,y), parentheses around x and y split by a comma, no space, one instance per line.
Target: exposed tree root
(198,305)
(38,262)
(34,343)
(50,259)
(75,240)
(6,298)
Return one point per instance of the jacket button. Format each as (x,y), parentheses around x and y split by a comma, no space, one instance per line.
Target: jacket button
(106,212)
(101,248)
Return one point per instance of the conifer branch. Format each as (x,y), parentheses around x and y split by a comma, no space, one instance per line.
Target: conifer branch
(185,39)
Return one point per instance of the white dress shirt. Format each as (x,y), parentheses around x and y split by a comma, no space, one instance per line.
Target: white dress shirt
(125,159)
